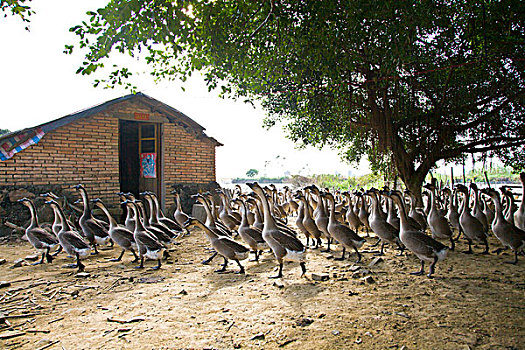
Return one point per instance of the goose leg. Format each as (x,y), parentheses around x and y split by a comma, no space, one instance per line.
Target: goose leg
(401,248)
(486,251)
(158,265)
(459,235)
(328,247)
(303,268)
(207,261)
(241,271)
(432,267)
(223,265)
(79,264)
(41,260)
(317,243)
(57,251)
(95,248)
(280,274)
(452,243)
(141,266)
(358,255)
(469,251)
(120,256)
(135,255)
(49,257)
(342,255)
(420,272)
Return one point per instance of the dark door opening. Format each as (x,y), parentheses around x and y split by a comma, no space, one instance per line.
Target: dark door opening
(139,157)
(129,166)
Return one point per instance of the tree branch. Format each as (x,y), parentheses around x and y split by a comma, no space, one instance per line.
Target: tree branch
(264,22)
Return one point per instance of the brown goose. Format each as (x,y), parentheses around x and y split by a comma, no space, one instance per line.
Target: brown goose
(251,236)
(299,221)
(476,209)
(95,232)
(436,221)
(320,215)
(309,223)
(508,234)
(72,242)
(225,215)
(153,219)
(160,217)
(283,245)
(39,238)
(414,213)
(423,246)
(180,216)
(258,221)
(225,246)
(341,233)
(378,224)
(452,213)
(148,245)
(472,228)
(119,234)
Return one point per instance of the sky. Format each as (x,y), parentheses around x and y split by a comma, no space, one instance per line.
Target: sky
(39,84)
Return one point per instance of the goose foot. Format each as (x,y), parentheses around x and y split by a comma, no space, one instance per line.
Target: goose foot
(71,266)
(207,261)
(417,273)
(139,267)
(117,259)
(156,267)
(49,258)
(339,259)
(379,254)
(303,268)
(37,263)
(376,243)
(80,267)
(280,274)
(57,251)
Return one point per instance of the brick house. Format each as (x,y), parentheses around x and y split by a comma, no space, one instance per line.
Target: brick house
(130,144)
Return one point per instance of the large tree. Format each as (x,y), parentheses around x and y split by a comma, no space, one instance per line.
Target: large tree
(406,83)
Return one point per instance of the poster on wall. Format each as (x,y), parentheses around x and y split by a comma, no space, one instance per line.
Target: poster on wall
(148,165)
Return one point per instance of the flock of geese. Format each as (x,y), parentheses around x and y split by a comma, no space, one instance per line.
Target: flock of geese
(242,222)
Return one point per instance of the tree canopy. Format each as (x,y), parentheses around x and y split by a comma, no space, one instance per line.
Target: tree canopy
(405,83)
(17,8)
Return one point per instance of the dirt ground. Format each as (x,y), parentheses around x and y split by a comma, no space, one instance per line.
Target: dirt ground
(474,302)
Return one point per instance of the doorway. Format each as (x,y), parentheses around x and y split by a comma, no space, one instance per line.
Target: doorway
(139,157)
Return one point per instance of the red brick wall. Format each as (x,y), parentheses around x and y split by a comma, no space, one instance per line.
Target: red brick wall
(86,151)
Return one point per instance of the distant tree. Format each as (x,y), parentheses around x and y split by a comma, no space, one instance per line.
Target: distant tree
(252,172)
(17,8)
(4,131)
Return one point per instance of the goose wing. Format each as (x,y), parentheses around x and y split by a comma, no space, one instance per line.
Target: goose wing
(148,240)
(233,245)
(75,239)
(420,243)
(44,236)
(287,241)
(96,228)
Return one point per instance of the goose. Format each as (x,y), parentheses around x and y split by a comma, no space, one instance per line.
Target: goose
(351,217)
(39,238)
(171,224)
(140,215)
(225,246)
(258,222)
(320,216)
(153,220)
(341,233)
(452,212)
(519,215)
(148,245)
(476,210)
(119,234)
(299,221)
(378,224)
(308,222)
(180,216)
(508,234)
(224,214)
(392,217)
(251,236)
(487,210)
(424,247)
(414,214)
(438,224)
(93,230)
(283,245)
(511,208)
(363,211)
(70,240)
(210,223)
(215,213)
(472,228)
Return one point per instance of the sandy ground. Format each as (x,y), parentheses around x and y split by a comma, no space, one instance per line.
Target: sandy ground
(474,302)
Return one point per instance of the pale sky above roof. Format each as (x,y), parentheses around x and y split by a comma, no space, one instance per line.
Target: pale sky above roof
(39,84)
